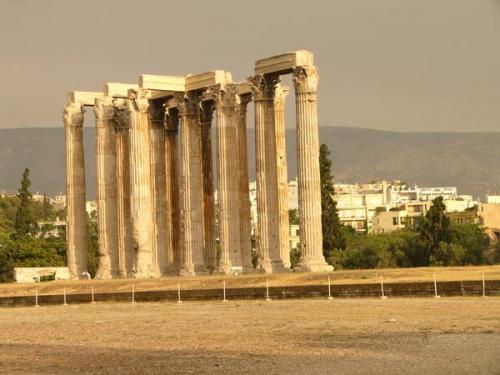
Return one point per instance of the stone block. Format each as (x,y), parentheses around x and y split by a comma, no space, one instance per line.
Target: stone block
(157,83)
(208,79)
(84,97)
(284,64)
(244,88)
(118,90)
(34,274)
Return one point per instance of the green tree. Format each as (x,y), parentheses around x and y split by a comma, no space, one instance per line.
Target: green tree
(92,244)
(293,216)
(433,229)
(447,254)
(473,240)
(25,223)
(47,208)
(333,236)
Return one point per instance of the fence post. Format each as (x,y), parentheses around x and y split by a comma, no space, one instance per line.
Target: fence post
(36,298)
(435,287)
(179,293)
(383,296)
(329,289)
(224,290)
(267,291)
(484,287)
(64,294)
(133,293)
(92,301)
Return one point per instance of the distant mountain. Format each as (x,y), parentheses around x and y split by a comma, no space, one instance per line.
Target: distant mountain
(470,161)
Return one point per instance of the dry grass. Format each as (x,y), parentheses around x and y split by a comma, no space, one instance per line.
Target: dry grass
(358,336)
(254,280)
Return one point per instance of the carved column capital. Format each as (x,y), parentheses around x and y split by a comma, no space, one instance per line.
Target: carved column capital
(140,99)
(122,113)
(263,86)
(305,79)
(157,114)
(226,96)
(207,109)
(73,114)
(103,108)
(188,105)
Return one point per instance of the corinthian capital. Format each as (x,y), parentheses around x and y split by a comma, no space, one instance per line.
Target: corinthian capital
(263,86)
(226,96)
(188,105)
(139,99)
(305,79)
(103,108)
(122,113)
(157,114)
(206,112)
(73,114)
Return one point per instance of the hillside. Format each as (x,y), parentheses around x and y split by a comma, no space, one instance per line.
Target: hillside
(470,161)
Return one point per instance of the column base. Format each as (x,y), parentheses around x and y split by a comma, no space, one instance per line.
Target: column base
(318,265)
(272,267)
(146,274)
(225,269)
(82,275)
(193,270)
(120,275)
(103,275)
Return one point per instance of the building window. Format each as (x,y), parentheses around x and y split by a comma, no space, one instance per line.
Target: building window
(395,221)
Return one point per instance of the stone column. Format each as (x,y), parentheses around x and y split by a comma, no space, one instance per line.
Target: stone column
(106,189)
(227,179)
(158,185)
(267,179)
(244,194)
(284,221)
(209,249)
(76,229)
(192,200)
(141,199)
(309,189)
(172,190)
(126,259)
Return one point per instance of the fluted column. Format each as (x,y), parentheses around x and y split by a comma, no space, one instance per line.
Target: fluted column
(76,230)
(172,191)
(158,185)
(266,170)
(209,249)
(284,221)
(244,194)
(106,189)
(227,179)
(141,199)
(126,259)
(192,187)
(311,238)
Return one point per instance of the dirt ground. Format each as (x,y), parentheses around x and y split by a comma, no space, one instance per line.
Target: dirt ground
(257,280)
(313,336)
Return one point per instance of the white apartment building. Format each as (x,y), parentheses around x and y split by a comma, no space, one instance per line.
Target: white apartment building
(393,204)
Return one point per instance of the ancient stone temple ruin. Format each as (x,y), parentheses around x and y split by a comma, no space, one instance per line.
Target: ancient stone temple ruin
(155,173)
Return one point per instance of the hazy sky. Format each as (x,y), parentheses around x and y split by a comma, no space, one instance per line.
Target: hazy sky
(416,65)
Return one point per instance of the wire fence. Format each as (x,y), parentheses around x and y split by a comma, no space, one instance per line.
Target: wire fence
(326,288)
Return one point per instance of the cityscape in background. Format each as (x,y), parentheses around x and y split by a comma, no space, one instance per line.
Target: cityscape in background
(377,207)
